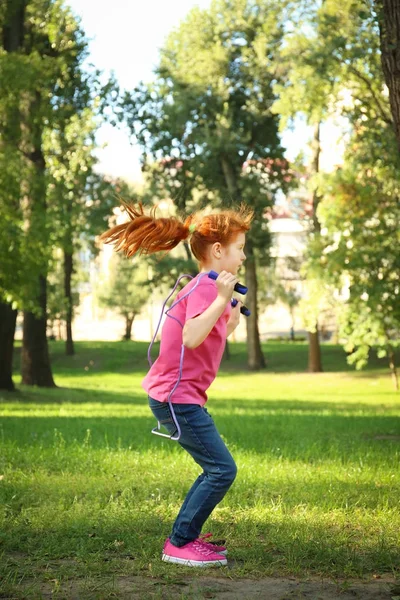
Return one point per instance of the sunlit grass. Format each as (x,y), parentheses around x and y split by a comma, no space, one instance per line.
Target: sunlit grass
(84,482)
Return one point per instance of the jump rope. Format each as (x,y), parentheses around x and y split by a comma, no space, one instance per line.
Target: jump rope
(240,288)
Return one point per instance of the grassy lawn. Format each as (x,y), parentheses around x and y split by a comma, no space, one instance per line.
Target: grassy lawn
(86,491)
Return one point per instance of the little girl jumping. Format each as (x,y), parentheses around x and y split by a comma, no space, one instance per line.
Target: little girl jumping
(196,333)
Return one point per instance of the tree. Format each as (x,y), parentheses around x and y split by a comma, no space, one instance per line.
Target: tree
(361,215)
(12,17)
(80,103)
(309,88)
(127,290)
(48,105)
(22,111)
(47,60)
(277,284)
(32,75)
(289,296)
(326,64)
(207,114)
(388,14)
(79,198)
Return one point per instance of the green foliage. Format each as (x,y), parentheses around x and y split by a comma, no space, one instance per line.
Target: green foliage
(57,303)
(274,288)
(50,108)
(332,66)
(361,214)
(11,219)
(165,271)
(319,304)
(331,52)
(127,290)
(206,118)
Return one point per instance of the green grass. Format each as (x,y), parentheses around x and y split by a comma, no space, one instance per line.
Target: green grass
(86,492)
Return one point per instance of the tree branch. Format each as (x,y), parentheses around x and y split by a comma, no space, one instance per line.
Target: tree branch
(385,116)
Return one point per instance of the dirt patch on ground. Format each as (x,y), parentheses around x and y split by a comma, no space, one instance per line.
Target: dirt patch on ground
(189,587)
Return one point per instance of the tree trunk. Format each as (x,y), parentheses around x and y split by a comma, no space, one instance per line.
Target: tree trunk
(393,369)
(13,34)
(8,318)
(68,270)
(292,332)
(35,361)
(255,357)
(314,352)
(316,153)
(389,27)
(187,250)
(13,28)
(128,326)
(230,179)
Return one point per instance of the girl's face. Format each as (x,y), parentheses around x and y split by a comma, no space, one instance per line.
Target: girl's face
(232,255)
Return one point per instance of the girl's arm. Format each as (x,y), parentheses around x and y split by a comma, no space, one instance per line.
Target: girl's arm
(197,329)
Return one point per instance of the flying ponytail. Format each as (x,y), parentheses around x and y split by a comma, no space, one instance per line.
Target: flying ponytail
(147,234)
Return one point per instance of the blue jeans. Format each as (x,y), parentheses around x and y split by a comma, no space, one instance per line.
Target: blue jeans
(200,438)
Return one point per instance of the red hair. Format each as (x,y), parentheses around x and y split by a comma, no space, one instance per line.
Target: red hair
(147,234)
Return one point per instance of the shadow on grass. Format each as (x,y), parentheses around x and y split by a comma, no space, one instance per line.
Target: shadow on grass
(26,396)
(127,357)
(290,430)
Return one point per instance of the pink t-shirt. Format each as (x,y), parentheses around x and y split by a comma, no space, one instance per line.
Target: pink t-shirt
(200,365)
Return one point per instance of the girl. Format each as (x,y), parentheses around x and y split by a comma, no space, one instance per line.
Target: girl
(197,332)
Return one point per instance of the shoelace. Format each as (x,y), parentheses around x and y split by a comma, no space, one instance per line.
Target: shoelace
(205,538)
(202,549)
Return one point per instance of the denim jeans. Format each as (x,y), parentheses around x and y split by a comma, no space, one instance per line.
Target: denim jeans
(200,438)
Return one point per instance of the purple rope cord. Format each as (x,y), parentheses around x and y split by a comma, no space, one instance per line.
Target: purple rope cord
(156,430)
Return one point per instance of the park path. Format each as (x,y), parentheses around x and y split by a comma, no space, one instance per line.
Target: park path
(190,587)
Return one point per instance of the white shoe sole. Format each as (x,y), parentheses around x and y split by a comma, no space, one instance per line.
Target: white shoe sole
(194,563)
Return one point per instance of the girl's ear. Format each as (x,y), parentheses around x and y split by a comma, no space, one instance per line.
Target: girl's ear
(216,250)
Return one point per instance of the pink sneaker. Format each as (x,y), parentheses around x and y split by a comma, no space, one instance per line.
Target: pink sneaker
(193,554)
(211,546)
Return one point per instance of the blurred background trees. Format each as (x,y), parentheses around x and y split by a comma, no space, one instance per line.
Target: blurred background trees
(50,108)
(230,80)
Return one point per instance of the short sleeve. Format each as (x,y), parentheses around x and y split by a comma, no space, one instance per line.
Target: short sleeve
(200,299)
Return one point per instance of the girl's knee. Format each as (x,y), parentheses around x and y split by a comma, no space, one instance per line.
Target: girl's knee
(223,472)
(230,472)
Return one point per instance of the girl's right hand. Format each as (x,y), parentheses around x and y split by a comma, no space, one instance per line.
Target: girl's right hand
(225,284)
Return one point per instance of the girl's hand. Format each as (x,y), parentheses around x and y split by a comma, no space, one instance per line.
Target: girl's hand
(234,319)
(225,284)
